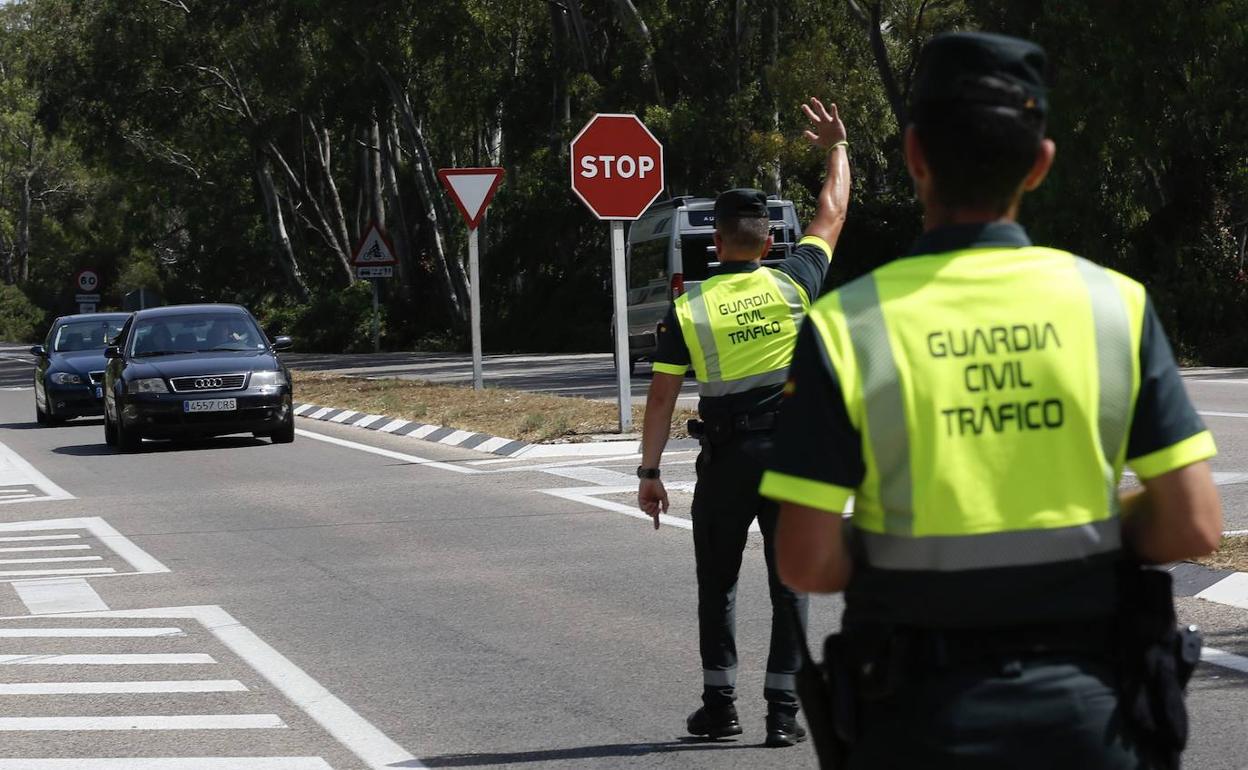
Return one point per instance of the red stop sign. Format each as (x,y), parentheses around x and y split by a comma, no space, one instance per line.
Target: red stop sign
(617,166)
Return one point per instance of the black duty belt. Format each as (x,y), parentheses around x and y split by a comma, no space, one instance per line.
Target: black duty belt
(950,647)
(719,429)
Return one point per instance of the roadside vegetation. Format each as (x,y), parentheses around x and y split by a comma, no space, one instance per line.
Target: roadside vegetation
(514,414)
(1232,554)
(230,150)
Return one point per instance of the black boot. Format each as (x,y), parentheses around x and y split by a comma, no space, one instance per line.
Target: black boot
(714,722)
(783,730)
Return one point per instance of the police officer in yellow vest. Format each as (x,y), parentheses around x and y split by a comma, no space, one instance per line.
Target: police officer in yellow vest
(978,399)
(736,330)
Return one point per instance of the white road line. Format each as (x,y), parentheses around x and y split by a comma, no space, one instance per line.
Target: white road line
(14,471)
(142,687)
(140,560)
(88,633)
(1235,533)
(1223,414)
(179,722)
(337,718)
(169,763)
(592,475)
(51,559)
(32,548)
(588,496)
(413,459)
(1232,590)
(1223,659)
(31,573)
(20,498)
(108,659)
(52,595)
(29,538)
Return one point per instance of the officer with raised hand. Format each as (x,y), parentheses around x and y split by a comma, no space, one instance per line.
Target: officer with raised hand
(978,399)
(737,330)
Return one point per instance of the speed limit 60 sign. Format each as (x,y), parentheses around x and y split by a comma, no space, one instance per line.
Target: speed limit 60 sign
(87,281)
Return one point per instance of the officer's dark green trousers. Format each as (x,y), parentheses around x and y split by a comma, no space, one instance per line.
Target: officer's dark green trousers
(1039,713)
(725,502)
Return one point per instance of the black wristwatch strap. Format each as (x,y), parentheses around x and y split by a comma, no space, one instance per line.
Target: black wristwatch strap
(647,473)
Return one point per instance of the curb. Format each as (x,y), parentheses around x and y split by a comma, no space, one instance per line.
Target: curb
(480,442)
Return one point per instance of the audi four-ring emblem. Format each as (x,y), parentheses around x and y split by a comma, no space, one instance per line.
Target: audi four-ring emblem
(207,383)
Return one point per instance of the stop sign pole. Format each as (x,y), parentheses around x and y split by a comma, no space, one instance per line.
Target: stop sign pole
(617,172)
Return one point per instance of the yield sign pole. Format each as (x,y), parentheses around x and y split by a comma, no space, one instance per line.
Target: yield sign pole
(472,189)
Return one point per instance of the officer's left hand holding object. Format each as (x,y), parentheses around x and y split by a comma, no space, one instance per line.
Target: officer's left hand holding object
(652,498)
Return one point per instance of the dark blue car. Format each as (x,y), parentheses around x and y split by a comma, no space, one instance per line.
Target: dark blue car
(193,371)
(69,366)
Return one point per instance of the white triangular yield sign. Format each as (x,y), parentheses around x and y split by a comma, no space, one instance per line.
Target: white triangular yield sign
(472,189)
(374,249)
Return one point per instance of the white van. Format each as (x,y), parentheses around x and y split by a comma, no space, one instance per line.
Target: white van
(671,247)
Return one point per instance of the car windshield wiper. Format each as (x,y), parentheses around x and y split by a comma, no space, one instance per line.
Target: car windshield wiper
(226,350)
(154,353)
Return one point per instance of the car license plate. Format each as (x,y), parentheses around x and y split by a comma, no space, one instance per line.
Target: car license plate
(210,405)
(99,392)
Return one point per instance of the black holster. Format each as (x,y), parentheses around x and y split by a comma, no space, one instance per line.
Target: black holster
(827,696)
(1156,661)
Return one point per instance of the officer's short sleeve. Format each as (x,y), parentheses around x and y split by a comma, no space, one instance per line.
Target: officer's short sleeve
(817,460)
(672,354)
(1166,433)
(808,264)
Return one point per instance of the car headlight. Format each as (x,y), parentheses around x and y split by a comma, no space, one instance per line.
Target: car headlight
(65,378)
(266,380)
(153,385)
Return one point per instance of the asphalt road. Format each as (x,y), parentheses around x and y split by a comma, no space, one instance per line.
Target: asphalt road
(363,595)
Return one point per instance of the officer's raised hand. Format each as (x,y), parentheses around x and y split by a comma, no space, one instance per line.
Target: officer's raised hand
(826,128)
(652,498)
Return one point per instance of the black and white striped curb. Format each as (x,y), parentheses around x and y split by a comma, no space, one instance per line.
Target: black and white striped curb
(481,442)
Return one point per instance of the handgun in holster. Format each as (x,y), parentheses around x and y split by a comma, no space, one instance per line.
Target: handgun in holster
(1157,658)
(826,693)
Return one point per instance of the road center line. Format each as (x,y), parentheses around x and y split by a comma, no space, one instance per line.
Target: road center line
(89,633)
(1223,414)
(1223,659)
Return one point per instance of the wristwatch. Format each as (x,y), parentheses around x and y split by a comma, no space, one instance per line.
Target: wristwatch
(647,473)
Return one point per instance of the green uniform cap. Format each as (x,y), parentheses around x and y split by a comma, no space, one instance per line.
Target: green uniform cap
(977,69)
(741,202)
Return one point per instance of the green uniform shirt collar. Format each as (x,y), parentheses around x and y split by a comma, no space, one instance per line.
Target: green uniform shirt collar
(727,268)
(1006,235)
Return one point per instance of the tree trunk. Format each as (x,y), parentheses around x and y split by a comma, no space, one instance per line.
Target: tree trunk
(635,27)
(871,23)
(23,226)
(773,181)
(277,229)
(400,233)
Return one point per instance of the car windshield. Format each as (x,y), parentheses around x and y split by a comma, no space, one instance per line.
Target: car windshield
(85,335)
(196,333)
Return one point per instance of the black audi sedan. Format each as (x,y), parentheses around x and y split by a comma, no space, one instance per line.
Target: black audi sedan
(69,366)
(195,371)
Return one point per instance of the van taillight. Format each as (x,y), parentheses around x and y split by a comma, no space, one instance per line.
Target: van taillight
(678,284)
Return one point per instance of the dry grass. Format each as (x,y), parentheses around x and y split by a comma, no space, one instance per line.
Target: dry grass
(1231,554)
(532,417)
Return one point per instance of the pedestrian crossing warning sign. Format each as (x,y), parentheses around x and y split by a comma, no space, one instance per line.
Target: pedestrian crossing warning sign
(374,250)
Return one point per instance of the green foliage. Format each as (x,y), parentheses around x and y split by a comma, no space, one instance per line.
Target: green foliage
(20,319)
(223,151)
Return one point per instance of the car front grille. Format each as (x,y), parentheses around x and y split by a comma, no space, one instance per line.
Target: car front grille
(207,382)
(97,378)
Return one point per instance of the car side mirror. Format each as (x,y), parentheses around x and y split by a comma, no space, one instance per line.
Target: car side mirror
(283,343)
(39,351)
(112,351)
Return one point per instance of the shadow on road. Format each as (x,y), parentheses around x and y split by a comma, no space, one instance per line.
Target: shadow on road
(32,425)
(160,447)
(578,752)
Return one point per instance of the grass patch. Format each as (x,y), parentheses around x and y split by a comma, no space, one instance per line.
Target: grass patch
(509,413)
(1232,554)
